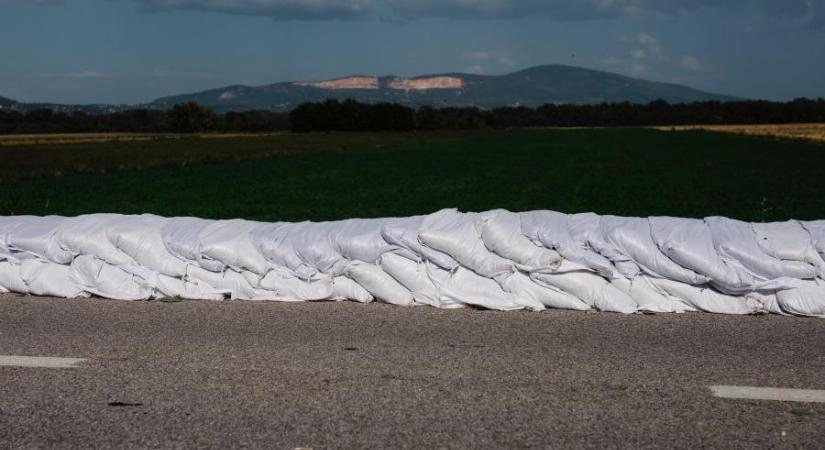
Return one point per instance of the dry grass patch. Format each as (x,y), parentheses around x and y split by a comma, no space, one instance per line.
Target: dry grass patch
(806,131)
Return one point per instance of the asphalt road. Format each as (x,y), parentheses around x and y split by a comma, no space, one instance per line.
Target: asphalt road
(344,375)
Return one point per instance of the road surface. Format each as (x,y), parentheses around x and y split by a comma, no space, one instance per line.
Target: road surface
(200,374)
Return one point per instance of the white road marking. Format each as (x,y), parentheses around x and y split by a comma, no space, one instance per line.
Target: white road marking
(39,361)
(769,393)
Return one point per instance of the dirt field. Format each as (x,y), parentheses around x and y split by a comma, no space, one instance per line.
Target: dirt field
(807,131)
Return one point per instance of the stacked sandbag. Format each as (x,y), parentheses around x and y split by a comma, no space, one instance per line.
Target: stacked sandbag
(494,260)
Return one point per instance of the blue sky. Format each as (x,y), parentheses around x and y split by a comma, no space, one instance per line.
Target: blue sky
(132,51)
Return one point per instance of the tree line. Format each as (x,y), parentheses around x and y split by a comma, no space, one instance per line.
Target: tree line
(350,115)
(183,118)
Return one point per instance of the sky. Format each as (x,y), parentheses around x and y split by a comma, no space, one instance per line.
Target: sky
(134,51)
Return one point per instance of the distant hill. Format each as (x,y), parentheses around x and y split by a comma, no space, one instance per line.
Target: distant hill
(531,87)
(7,103)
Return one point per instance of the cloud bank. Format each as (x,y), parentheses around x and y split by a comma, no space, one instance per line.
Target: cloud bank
(804,12)
(278,9)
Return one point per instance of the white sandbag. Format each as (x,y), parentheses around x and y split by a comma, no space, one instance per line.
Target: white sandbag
(413,276)
(232,283)
(735,241)
(550,229)
(806,300)
(457,235)
(788,241)
(586,231)
(497,260)
(86,235)
(286,285)
(7,225)
(37,236)
(378,283)
(278,245)
(315,246)
(501,234)
(98,277)
(181,237)
(816,228)
(312,248)
(362,239)
(767,301)
(648,297)
(403,233)
(10,278)
(346,289)
(689,243)
(51,279)
(141,239)
(467,287)
(592,289)
(531,294)
(632,238)
(228,241)
(707,299)
(166,286)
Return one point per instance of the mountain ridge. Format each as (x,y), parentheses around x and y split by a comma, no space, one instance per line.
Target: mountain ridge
(533,86)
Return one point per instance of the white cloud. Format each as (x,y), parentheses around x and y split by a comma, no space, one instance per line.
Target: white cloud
(484,56)
(81,74)
(481,61)
(279,9)
(809,13)
(646,56)
(691,62)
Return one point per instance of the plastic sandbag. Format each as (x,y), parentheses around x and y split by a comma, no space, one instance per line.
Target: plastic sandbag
(816,228)
(413,276)
(403,233)
(632,237)
(457,235)
(467,287)
(501,233)
(806,300)
(550,229)
(167,286)
(142,240)
(735,241)
(788,241)
(531,294)
(37,236)
(86,235)
(181,236)
(648,297)
(589,287)
(7,225)
(46,278)
(98,277)
(286,285)
(378,283)
(362,239)
(586,231)
(10,278)
(707,299)
(231,283)
(346,289)
(228,241)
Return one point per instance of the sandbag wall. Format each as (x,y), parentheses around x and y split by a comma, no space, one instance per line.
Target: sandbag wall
(496,260)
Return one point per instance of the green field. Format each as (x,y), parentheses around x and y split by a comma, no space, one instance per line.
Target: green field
(636,172)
